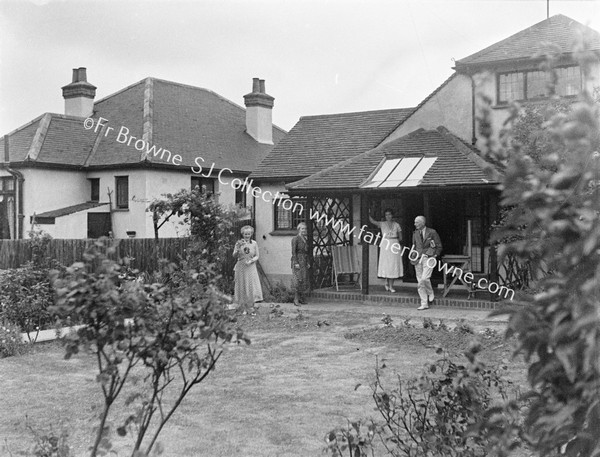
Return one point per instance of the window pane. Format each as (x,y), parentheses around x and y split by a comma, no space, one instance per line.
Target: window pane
(510,87)
(537,84)
(288,219)
(208,183)
(569,81)
(122,191)
(95,189)
(240,197)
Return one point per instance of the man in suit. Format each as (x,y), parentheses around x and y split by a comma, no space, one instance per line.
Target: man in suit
(427,243)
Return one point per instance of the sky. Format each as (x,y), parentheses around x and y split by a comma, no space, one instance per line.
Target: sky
(317,57)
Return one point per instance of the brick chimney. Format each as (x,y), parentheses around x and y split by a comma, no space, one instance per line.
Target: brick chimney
(79,95)
(259,113)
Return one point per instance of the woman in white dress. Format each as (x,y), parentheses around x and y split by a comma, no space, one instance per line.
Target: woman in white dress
(247,289)
(390,262)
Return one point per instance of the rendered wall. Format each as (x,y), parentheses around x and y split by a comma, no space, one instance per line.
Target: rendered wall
(449,107)
(275,250)
(48,190)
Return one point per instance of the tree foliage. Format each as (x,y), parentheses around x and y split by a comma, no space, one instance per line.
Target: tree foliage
(555,224)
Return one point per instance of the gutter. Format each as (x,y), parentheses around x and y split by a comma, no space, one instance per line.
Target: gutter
(18,178)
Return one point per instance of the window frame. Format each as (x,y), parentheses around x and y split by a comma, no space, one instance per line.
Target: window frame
(119,202)
(525,73)
(94,189)
(202,182)
(295,219)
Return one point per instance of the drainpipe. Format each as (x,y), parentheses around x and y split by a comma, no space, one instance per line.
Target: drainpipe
(473,135)
(18,178)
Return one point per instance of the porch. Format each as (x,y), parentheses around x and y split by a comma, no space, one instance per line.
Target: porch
(406,295)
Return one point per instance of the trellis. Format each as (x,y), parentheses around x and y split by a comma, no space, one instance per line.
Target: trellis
(338,211)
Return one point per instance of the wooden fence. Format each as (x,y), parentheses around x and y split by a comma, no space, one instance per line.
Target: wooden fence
(145,252)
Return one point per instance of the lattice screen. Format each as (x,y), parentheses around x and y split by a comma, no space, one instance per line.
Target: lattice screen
(338,210)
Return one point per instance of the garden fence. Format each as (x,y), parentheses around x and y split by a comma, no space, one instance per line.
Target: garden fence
(145,253)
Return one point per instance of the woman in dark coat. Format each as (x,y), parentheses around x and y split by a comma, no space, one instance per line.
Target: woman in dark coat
(300,265)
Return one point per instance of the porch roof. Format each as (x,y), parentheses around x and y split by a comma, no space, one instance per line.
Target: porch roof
(455,164)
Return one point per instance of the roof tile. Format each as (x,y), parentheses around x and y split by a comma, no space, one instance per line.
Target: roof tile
(316,142)
(560,31)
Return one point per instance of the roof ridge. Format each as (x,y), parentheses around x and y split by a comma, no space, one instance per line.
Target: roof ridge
(148,116)
(39,137)
(387,110)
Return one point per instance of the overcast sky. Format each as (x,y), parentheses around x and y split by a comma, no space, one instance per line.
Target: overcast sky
(317,57)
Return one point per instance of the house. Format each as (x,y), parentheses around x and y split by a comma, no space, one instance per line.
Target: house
(94,169)
(423,160)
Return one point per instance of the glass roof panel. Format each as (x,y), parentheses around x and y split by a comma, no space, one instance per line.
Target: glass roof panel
(417,174)
(387,167)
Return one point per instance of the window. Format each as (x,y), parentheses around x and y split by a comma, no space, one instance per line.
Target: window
(240,197)
(536,84)
(7,208)
(95,189)
(209,183)
(289,212)
(122,185)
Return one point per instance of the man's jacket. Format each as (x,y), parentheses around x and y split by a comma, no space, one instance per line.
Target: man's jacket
(430,244)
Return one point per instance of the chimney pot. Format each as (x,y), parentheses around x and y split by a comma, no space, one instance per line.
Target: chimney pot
(82,74)
(255,85)
(262,86)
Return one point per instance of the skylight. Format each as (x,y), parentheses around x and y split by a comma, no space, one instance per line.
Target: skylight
(404,172)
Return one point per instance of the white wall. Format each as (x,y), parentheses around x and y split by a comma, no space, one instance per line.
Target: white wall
(275,250)
(47,190)
(449,107)
(72,225)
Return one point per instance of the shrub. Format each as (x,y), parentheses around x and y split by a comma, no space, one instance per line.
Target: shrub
(11,342)
(557,223)
(26,295)
(437,414)
(280,293)
(174,331)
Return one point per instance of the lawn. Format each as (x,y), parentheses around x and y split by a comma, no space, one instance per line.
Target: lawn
(276,397)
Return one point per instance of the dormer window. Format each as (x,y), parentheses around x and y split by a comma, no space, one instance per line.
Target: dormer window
(534,84)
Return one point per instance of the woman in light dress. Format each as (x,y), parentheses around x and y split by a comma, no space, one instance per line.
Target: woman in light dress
(390,263)
(247,289)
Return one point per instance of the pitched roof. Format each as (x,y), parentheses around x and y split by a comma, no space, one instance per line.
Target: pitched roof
(185,120)
(559,31)
(69,210)
(457,164)
(317,142)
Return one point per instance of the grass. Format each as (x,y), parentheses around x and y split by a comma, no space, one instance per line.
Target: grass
(277,397)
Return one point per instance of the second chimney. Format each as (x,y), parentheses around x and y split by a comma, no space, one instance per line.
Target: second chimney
(259,113)
(79,95)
